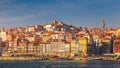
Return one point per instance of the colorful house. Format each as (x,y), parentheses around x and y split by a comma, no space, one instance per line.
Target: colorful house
(83,42)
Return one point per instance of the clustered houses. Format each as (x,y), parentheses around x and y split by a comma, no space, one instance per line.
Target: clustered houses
(58,39)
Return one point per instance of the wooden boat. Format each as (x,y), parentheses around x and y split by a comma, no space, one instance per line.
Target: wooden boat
(109,57)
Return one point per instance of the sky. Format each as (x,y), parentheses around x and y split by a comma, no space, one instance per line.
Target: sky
(84,13)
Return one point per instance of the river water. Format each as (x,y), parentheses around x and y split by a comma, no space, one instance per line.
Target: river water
(60,64)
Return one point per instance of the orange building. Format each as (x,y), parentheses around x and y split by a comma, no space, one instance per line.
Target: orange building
(116,47)
(10,37)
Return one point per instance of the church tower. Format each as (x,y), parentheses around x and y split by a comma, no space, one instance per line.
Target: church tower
(103,24)
(54,21)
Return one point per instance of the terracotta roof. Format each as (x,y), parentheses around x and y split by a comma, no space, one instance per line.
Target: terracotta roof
(106,39)
(109,34)
(59,32)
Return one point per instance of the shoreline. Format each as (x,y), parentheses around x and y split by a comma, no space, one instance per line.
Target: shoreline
(53,59)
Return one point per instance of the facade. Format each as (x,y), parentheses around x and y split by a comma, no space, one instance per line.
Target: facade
(116,46)
(10,37)
(58,39)
(0,46)
(107,45)
(97,43)
(3,35)
(83,42)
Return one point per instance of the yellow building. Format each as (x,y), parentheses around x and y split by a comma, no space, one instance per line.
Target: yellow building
(83,42)
(75,48)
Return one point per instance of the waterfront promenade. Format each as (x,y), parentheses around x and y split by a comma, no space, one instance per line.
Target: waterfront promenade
(57,58)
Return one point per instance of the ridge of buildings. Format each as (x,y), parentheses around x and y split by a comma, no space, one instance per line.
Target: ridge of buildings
(58,38)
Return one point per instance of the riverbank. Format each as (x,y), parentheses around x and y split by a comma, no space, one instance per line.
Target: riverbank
(48,58)
(53,58)
(16,58)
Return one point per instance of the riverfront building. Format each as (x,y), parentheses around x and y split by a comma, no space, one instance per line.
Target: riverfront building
(58,39)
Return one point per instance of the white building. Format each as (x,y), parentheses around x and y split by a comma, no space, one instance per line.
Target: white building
(3,35)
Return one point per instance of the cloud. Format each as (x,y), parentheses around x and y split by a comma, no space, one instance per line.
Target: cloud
(14,19)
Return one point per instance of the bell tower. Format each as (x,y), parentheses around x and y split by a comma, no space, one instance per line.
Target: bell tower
(103,26)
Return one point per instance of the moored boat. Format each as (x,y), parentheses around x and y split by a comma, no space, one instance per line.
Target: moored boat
(109,57)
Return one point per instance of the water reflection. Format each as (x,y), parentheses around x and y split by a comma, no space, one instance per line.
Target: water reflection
(60,64)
